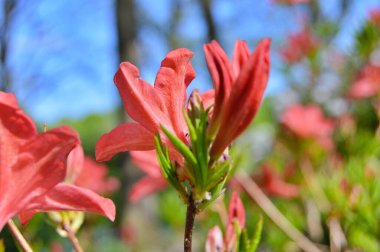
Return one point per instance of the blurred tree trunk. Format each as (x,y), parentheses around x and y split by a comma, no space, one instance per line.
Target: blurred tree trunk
(126,38)
(209,19)
(8,8)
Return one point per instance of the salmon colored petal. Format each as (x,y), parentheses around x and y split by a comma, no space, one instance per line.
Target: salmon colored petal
(13,119)
(171,82)
(363,89)
(215,242)
(75,162)
(245,98)
(39,166)
(145,187)
(239,57)
(126,137)
(307,121)
(141,100)
(147,162)
(65,197)
(208,98)
(274,185)
(98,181)
(220,69)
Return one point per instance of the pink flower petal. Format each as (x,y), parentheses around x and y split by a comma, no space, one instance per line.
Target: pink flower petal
(171,82)
(39,166)
(65,197)
(215,242)
(75,162)
(239,57)
(245,98)
(147,162)
(141,100)
(126,137)
(145,187)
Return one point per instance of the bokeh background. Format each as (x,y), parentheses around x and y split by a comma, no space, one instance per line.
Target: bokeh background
(59,58)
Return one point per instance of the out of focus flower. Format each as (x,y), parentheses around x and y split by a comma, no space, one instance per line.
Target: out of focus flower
(150,106)
(274,184)
(239,89)
(308,122)
(84,172)
(374,16)
(153,181)
(31,164)
(215,240)
(236,218)
(298,46)
(367,83)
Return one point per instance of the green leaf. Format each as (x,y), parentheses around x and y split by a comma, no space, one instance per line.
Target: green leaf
(257,235)
(168,170)
(218,175)
(181,147)
(243,243)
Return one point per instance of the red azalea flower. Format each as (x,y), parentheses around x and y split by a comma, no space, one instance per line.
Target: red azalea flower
(239,89)
(150,106)
(274,185)
(367,84)
(80,190)
(153,181)
(298,46)
(31,164)
(309,122)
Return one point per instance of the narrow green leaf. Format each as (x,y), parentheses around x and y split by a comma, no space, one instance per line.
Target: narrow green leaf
(257,235)
(168,170)
(181,147)
(194,140)
(243,243)
(218,175)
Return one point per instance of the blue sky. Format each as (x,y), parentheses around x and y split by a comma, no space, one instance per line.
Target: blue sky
(63,53)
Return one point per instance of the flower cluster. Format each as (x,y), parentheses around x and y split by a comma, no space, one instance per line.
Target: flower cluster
(191,139)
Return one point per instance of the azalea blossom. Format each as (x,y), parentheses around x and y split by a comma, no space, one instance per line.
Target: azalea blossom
(236,216)
(79,191)
(150,106)
(239,88)
(238,91)
(308,122)
(153,181)
(31,164)
(274,184)
(367,83)
(298,46)
(32,167)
